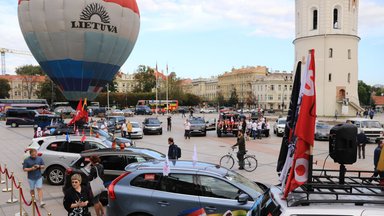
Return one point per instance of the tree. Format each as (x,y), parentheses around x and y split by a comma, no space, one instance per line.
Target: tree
(251,99)
(29,84)
(29,70)
(4,88)
(191,100)
(145,78)
(220,99)
(364,92)
(233,99)
(45,91)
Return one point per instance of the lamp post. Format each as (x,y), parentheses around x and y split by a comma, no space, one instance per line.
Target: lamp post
(108,96)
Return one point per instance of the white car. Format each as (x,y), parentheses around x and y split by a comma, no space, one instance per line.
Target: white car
(279,126)
(208,110)
(371,128)
(137,131)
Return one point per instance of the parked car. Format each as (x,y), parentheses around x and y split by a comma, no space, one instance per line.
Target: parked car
(45,120)
(144,190)
(137,131)
(143,110)
(116,121)
(128,112)
(58,153)
(152,126)
(208,110)
(20,116)
(279,126)
(100,111)
(115,112)
(228,123)
(371,128)
(322,130)
(65,111)
(113,161)
(198,126)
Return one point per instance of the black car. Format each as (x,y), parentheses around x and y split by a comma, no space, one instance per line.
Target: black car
(152,126)
(113,161)
(143,110)
(116,122)
(20,116)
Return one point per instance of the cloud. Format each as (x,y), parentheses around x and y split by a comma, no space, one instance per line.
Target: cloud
(371,18)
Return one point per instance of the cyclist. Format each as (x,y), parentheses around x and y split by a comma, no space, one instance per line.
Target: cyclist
(240,154)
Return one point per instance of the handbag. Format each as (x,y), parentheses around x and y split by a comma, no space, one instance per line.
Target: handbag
(97,185)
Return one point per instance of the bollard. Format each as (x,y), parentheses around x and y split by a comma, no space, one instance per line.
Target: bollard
(12,200)
(1,180)
(20,213)
(33,206)
(7,188)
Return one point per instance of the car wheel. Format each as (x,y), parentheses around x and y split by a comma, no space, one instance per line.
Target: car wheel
(55,175)
(218,133)
(14,124)
(161,132)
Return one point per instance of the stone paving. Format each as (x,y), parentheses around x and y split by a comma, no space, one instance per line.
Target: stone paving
(14,140)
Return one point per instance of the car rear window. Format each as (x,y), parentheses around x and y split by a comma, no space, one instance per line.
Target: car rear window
(147,180)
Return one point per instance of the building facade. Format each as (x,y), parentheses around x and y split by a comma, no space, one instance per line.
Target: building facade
(125,82)
(205,88)
(241,80)
(23,86)
(273,92)
(330,27)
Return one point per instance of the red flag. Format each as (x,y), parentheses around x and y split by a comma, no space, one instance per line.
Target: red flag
(305,129)
(83,138)
(79,109)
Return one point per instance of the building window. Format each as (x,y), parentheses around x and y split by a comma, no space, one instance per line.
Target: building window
(349,54)
(279,87)
(330,53)
(314,20)
(279,97)
(290,87)
(285,87)
(335,18)
(329,77)
(349,78)
(272,87)
(270,97)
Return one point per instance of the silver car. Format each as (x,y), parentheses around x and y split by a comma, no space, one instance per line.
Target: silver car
(57,153)
(144,190)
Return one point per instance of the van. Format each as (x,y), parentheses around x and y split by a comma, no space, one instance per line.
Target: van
(371,128)
(21,116)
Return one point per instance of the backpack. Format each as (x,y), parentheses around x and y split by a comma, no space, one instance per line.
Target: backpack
(178,151)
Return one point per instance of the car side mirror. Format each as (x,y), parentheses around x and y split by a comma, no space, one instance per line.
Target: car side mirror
(243,198)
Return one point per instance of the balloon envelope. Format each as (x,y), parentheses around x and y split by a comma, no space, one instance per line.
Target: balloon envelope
(80,44)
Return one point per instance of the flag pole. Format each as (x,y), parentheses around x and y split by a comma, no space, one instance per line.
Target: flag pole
(167,91)
(156,75)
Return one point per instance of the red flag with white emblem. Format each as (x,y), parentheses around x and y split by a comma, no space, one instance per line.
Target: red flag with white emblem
(305,129)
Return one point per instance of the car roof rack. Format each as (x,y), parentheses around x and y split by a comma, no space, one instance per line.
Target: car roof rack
(359,188)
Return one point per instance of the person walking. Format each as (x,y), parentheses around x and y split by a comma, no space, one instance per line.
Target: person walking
(244,125)
(97,169)
(241,144)
(187,129)
(129,129)
(76,198)
(371,113)
(124,129)
(362,140)
(259,129)
(33,166)
(169,123)
(174,152)
(254,129)
(183,113)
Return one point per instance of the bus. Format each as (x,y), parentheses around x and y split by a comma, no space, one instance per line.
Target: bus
(32,104)
(161,105)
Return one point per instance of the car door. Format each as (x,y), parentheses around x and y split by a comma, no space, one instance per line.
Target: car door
(176,193)
(59,152)
(113,167)
(73,150)
(219,196)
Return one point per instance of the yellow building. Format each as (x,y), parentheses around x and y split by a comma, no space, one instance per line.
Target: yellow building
(125,82)
(23,86)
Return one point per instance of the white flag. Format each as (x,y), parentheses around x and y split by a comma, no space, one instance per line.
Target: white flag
(166,168)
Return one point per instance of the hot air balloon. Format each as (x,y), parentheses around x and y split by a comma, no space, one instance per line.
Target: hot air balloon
(80,44)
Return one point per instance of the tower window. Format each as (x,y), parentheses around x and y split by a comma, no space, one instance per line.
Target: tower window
(314,22)
(335,18)
(349,54)
(329,77)
(330,54)
(349,78)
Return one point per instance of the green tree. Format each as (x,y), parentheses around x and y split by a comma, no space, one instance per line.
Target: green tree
(251,99)
(49,90)
(364,92)
(4,88)
(29,70)
(191,100)
(220,99)
(145,79)
(233,99)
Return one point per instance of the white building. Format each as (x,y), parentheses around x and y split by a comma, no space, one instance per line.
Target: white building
(330,27)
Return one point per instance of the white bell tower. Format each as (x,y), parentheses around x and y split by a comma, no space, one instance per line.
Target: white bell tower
(330,27)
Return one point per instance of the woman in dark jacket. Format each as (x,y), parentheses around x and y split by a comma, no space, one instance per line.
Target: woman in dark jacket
(76,198)
(97,169)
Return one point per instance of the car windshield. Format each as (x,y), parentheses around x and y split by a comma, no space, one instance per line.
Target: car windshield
(239,179)
(153,121)
(104,134)
(135,125)
(370,124)
(282,121)
(196,121)
(322,126)
(154,154)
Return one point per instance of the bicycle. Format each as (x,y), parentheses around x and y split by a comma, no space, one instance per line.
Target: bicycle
(228,160)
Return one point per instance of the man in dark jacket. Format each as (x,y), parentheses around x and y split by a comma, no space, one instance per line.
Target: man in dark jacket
(173,150)
(240,154)
(362,140)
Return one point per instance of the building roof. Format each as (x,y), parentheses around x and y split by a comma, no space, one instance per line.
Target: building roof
(244,70)
(22,77)
(379,100)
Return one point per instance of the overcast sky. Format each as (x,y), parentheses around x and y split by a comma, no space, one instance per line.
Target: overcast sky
(203,38)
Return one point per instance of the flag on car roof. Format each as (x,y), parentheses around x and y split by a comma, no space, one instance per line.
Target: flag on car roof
(68,138)
(166,167)
(305,129)
(83,138)
(194,157)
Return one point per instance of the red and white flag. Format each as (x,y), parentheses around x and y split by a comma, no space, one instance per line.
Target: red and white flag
(305,129)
